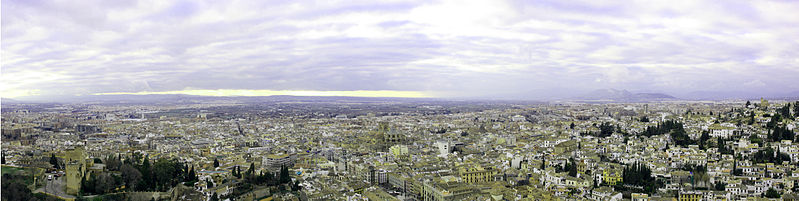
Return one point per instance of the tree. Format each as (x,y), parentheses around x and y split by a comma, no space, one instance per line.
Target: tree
(268,177)
(543,163)
(781,133)
(112,163)
(130,175)
(796,109)
(777,118)
(233,172)
(785,111)
(191,176)
(596,184)
(704,137)
(572,168)
(771,193)
(14,190)
(215,197)
(54,161)
(768,155)
(147,175)
(720,186)
(216,162)
(639,175)
(251,171)
(605,130)
(721,144)
(83,185)
(103,183)
(747,104)
(284,175)
(571,126)
(165,173)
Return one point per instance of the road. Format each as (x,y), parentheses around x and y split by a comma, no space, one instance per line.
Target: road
(55,187)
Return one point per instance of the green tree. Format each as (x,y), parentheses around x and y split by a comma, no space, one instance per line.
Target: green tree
(572,168)
(703,139)
(14,190)
(216,162)
(775,119)
(215,197)
(543,163)
(166,173)
(796,109)
(639,175)
(720,186)
(147,175)
(296,186)
(54,161)
(781,133)
(284,175)
(769,155)
(191,176)
(251,171)
(596,184)
(785,111)
(771,193)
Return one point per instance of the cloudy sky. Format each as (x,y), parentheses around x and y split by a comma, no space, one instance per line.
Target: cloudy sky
(512,49)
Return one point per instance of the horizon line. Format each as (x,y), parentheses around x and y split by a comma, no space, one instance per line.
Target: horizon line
(263,92)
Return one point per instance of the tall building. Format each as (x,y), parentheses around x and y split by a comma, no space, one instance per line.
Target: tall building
(443,147)
(274,162)
(77,164)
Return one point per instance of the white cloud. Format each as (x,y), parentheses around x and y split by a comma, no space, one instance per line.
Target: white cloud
(463,47)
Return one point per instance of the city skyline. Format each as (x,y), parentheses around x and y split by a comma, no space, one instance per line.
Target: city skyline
(442,49)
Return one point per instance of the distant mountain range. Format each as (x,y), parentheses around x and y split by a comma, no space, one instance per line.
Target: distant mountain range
(599,96)
(615,95)
(747,95)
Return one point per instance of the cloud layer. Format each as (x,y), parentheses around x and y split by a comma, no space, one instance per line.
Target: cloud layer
(444,48)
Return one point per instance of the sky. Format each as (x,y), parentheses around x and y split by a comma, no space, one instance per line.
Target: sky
(499,49)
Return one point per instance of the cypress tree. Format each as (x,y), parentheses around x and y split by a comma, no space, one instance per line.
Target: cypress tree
(54,161)
(543,163)
(284,175)
(146,172)
(572,168)
(796,109)
(192,174)
(214,197)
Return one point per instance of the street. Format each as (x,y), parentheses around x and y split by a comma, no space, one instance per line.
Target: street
(55,187)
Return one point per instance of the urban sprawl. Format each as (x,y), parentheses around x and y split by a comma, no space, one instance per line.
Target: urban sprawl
(403,150)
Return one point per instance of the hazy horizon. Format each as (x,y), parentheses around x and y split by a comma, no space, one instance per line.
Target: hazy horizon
(440,49)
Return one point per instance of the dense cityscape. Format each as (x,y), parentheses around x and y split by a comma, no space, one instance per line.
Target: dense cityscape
(401,150)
